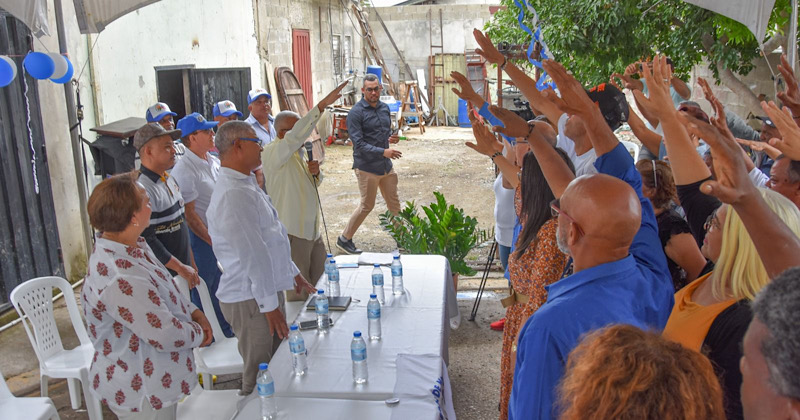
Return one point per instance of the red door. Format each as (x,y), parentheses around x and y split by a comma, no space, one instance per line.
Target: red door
(301,58)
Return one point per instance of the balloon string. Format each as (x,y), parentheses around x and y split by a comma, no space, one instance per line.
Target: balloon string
(30,135)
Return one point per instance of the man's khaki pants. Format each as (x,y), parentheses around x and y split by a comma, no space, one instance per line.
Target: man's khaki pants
(256,343)
(368,185)
(309,257)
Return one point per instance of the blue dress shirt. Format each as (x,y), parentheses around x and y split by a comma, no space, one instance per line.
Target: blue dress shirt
(635,290)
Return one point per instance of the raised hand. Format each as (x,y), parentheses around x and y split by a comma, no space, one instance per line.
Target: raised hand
(573,100)
(659,104)
(791,96)
(760,146)
(515,126)
(486,143)
(332,97)
(466,93)
(790,144)
(486,49)
(718,120)
(732,184)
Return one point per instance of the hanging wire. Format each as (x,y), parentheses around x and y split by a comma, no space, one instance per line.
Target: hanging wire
(30,135)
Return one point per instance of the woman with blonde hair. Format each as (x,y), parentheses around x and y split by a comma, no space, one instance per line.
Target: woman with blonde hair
(712,313)
(621,372)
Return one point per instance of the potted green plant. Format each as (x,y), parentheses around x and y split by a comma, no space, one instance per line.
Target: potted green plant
(442,230)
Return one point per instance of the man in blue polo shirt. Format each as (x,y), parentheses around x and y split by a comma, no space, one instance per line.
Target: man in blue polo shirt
(259,103)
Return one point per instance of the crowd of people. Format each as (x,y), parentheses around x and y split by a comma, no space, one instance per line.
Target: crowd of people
(644,293)
(662,288)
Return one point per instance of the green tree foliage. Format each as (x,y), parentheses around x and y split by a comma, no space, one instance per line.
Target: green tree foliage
(594,38)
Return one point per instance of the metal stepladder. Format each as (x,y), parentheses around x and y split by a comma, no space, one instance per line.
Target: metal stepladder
(405,110)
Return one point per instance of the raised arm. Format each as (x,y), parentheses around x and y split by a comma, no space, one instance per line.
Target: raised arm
(524,83)
(777,245)
(487,145)
(687,166)
(649,138)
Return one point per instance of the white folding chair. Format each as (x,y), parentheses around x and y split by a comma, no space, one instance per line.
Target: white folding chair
(33,301)
(13,408)
(222,356)
(204,404)
(633,149)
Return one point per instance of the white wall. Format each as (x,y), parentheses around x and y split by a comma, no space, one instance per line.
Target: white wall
(207,34)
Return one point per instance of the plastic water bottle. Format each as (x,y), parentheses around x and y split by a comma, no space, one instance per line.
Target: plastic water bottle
(322,311)
(397,276)
(377,283)
(328,261)
(374,317)
(266,392)
(298,348)
(358,352)
(333,279)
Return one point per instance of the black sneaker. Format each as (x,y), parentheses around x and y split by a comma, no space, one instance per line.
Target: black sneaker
(347,246)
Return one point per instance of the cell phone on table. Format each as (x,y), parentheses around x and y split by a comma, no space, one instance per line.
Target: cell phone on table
(312,324)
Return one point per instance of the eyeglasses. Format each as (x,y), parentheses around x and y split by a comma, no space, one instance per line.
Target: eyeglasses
(375,89)
(259,142)
(555,209)
(711,222)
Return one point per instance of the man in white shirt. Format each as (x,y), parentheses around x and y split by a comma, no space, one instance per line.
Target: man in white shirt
(252,246)
(196,175)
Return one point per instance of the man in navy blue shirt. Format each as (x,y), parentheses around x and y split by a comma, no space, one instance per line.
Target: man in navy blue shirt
(369,125)
(609,229)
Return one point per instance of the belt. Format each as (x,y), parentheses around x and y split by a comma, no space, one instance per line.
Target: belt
(514,297)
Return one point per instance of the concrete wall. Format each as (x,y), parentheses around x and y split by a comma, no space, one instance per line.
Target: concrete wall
(210,34)
(277,18)
(410,29)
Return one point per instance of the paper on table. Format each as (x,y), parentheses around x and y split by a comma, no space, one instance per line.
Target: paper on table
(369,258)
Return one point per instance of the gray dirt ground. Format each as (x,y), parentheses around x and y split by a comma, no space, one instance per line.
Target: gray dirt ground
(437,161)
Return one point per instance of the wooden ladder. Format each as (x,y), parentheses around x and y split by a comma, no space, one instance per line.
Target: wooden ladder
(405,111)
(369,37)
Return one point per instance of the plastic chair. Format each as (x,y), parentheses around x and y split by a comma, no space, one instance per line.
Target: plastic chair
(633,149)
(13,408)
(204,404)
(33,301)
(222,356)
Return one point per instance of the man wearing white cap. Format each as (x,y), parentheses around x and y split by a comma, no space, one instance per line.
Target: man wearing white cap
(260,106)
(225,111)
(161,114)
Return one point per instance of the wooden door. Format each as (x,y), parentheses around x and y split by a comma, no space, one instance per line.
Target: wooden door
(29,244)
(209,86)
(301,58)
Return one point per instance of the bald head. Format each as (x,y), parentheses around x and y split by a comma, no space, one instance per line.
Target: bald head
(608,212)
(285,121)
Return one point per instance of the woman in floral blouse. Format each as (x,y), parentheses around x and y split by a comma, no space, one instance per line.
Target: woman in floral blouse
(142,328)
(535,263)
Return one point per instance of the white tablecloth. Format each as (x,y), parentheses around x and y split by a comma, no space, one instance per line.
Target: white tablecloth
(412,324)
(318,408)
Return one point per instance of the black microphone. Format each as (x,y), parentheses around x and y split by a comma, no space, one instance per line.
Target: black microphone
(309,150)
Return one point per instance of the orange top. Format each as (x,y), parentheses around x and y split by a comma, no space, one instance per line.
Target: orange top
(689,322)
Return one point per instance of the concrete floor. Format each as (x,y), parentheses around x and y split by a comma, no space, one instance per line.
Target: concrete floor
(474,359)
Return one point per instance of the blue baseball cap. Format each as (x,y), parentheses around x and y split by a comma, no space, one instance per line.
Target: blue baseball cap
(225,109)
(257,93)
(157,112)
(194,122)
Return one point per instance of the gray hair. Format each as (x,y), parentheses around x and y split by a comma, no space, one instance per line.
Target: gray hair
(229,132)
(369,77)
(282,118)
(793,172)
(778,307)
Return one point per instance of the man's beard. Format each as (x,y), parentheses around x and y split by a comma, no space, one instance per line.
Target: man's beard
(562,242)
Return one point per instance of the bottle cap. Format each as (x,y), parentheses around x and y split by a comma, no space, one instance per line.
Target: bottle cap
(330,255)
(373,296)
(293,327)
(397,257)
(376,265)
(320,292)
(263,366)
(357,334)
(333,261)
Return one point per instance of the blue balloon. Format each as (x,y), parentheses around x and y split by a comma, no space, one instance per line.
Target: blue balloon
(67,76)
(39,65)
(7,71)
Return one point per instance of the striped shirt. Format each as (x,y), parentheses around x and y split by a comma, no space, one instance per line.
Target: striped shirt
(168,233)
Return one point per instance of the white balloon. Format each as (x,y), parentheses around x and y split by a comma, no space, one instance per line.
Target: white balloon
(61,65)
(12,64)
